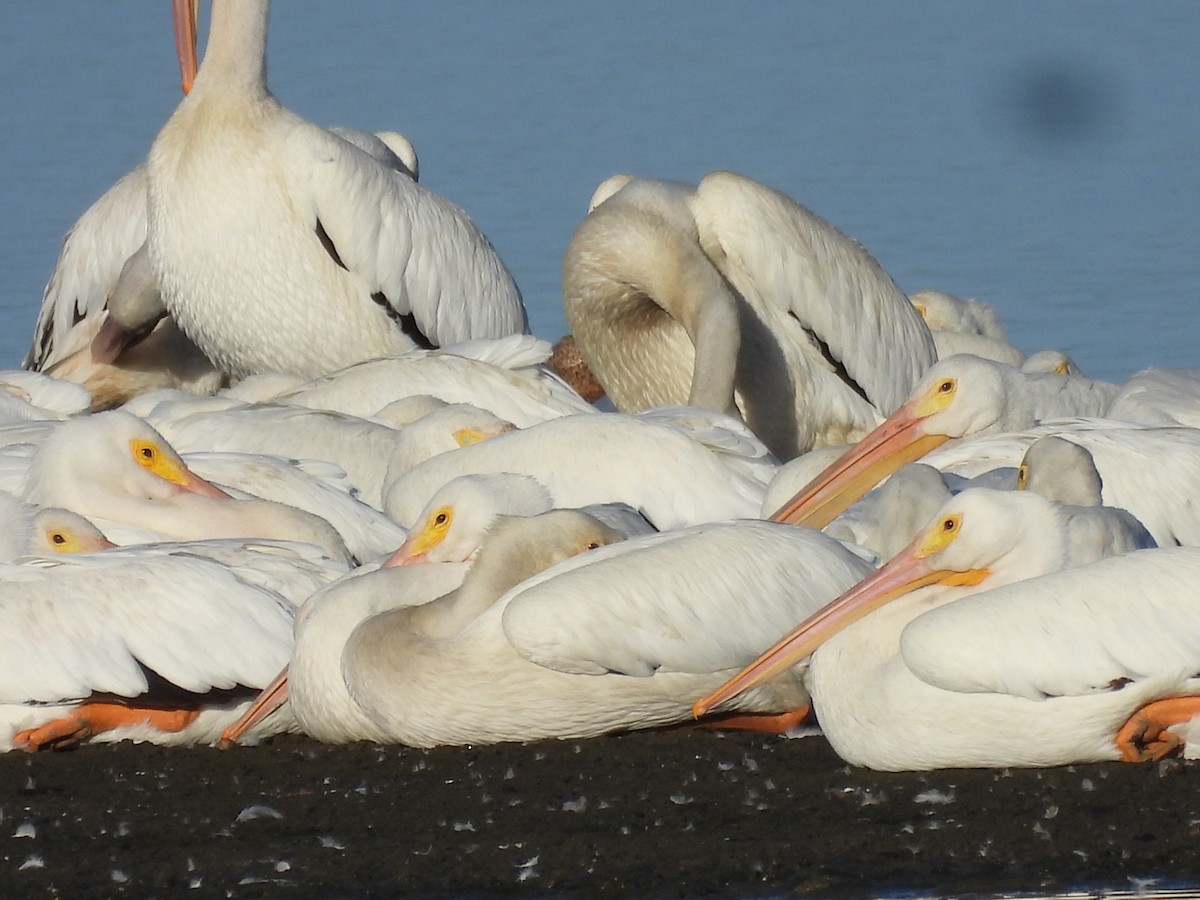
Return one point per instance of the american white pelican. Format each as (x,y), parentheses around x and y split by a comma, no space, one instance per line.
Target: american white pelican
(1164,397)
(26,530)
(673,476)
(964,326)
(889,517)
(454,523)
(279,247)
(734,297)
(315,486)
(506,376)
(1053,665)
(612,639)
(112,467)
(361,448)
(112,646)
(960,396)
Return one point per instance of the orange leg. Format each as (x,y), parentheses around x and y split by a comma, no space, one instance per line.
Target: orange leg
(94,717)
(1144,738)
(766,723)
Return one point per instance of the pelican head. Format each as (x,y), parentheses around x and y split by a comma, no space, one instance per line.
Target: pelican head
(959,396)
(453,523)
(979,535)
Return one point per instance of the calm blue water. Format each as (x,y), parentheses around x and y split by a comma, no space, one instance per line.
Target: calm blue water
(1042,156)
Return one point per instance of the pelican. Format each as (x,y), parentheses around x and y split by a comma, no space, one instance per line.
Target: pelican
(279,247)
(1002,636)
(673,474)
(455,521)
(611,639)
(506,376)
(734,297)
(112,646)
(964,326)
(26,530)
(1159,397)
(114,468)
(958,397)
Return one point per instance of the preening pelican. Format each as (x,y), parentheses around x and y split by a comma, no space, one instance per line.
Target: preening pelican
(734,297)
(960,396)
(112,646)
(1044,666)
(279,247)
(611,639)
(95,253)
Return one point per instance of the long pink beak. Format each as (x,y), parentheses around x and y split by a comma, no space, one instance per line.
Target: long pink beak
(183,15)
(194,484)
(272,697)
(900,439)
(405,554)
(905,573)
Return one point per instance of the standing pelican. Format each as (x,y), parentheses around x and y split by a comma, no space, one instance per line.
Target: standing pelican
(279,247)
(734,297)
(1060,657)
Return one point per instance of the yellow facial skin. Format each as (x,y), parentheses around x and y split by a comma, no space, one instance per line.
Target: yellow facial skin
(421,541)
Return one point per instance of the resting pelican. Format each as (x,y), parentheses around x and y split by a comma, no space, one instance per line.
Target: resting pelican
(964,326)
(1160,397)
(1060,657)
(612,639)
(112,646)
(673,474)
(113,467)
(26,530)
(960,396)
(279,247)
(454,523)
(734,297)
(506,376)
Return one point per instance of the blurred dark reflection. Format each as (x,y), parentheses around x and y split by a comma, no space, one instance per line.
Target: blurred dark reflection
(1060,101)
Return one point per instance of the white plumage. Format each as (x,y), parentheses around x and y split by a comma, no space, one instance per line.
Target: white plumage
(280,247)
(734,297)
(1060,644)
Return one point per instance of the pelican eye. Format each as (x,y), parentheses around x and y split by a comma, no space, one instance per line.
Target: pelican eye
(946,386)
(594,545)
(441,519)
(1022,477)
(949,525)
(58,537)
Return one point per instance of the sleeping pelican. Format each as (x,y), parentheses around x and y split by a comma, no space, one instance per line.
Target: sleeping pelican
(142,645)
(1060,656)
(734,297)
(611,639)
(279,247)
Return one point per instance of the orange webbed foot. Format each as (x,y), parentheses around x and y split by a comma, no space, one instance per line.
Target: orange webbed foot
(1144,736)
(94,717)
